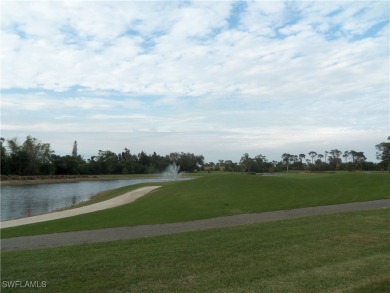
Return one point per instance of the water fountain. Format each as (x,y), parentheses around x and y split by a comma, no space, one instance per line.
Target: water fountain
(172,171)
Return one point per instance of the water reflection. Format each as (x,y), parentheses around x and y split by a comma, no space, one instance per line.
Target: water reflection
(44,198)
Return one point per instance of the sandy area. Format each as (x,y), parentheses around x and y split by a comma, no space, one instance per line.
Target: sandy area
(111,203)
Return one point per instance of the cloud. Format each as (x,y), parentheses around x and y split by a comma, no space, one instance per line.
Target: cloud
(44,101)
(193,55)
(249,74)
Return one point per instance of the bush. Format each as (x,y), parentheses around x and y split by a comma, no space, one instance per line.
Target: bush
(251,173)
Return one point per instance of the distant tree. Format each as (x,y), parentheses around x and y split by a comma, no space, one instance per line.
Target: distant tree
(360,159)
(158,163)
(334,158)
(74,149)
(107,162)
(383,154)
(353,155)
(286,159)
(59,165)
(174,157)
(143,158)
(312,154)
(246,162)
(33,157)
(210,166)
(230,166)
(72,164)
(28,158)
(4,158)
(221,165)
(346,156)
(17,157)
(257,164)
(188,162)
(126,162)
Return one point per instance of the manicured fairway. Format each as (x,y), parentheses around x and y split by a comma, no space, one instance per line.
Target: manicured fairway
(347,252)
(221,195)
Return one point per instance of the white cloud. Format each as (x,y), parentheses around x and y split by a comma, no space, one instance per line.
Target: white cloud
(37,102)
(175,63)
(305,68)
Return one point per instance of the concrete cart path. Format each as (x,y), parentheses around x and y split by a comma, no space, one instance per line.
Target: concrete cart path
(121,233)
(107,204)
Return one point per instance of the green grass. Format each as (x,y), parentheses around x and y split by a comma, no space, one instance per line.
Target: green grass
(222,195)
(347,252)
(109,194)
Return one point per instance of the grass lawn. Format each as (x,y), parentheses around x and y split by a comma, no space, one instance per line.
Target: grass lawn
(220,195)
(347,252)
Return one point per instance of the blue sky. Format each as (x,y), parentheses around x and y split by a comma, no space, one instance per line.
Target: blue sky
(217,78)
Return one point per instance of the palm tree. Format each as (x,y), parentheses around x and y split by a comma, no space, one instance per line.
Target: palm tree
(335,158)
(312,154)
(346,155)
(286,158)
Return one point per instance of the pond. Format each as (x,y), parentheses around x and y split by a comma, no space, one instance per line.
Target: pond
(21,200)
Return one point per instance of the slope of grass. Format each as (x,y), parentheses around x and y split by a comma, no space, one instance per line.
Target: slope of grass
(347,252)
(220,195)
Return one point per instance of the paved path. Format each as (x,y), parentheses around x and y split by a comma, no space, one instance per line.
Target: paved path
(107,204)
(120,233)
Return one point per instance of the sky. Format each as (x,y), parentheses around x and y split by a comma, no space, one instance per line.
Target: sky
(217,78)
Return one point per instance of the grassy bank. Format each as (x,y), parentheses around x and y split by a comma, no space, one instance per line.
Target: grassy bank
(221,195)
(335,253)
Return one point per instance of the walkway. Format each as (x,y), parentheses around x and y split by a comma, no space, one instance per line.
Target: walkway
(132,232)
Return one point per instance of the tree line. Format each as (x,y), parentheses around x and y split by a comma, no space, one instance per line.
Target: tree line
(32,157)
(332,160)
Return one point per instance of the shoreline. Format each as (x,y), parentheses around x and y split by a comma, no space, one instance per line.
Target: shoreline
(107,204)
(31,180)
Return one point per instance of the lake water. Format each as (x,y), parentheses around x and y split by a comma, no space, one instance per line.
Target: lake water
(45,198)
